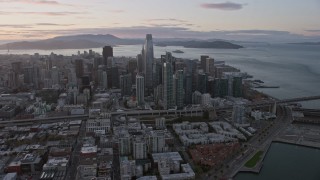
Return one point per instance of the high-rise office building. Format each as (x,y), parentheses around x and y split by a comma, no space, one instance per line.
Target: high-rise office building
(203,62)
(132,69)
(157,74)
(188,89)
(158,142)
(238,114)
(167,81)
(220,87)
(16,67)
(140,89)
(180,65)
(202,82)
(148,57)
(85,83)
(104,80)
(139,147)
(179,89)
(109,75)
(234,83)
(207,65)
(237,86)
(210,67)
(124,144)
(196,97)
(115,77)
(168,102)
(55,75)
(97,62)
(107,52)
(36,76)
(79,67)
(174,89)
(48,64)
(140,64)
(125,84)
(16,70)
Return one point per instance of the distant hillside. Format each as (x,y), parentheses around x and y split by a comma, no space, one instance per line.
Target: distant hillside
(96,41)
(307,43)
(72,42)
(52,44)
(202,44)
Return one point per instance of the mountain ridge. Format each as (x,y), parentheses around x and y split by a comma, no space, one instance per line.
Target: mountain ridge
(84,41)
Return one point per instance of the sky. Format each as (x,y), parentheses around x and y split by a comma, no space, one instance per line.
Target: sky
(253,20)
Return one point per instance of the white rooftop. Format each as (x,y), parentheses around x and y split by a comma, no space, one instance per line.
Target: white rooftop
(175,156)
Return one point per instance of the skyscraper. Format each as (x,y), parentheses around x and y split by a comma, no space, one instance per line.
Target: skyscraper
(132,69)
(55,75)
(16,67)
(140,63)
(203,61)
(202,82)
(167,86)
(157,141)
(220,87)
(148,57)
(16,70)
(188,89)
(140,89)
(238,114)
(115,77)
(124,143)
(157,74)
(107,52)
(49,64)
(139,148)
(79,67)
(125,84)
(179,89)
(210,67)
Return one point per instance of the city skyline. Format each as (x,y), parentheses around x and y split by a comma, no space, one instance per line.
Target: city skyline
(203,19)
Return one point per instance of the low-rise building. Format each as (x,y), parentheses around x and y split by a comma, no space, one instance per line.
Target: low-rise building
(88,151)
(98,126)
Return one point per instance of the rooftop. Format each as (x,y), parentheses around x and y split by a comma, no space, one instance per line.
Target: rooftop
(175,156)
(89,149)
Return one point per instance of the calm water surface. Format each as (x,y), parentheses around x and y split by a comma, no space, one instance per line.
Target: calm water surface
(287,162)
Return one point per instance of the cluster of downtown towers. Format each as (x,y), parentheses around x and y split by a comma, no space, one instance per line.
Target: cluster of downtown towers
(169,82)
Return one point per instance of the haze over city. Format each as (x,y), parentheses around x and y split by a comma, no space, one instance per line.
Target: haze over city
(252,20)
(159,89)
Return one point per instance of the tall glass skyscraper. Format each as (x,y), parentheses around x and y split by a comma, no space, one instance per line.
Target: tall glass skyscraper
(148,57)
(140,89)
(179,89)
(167,78)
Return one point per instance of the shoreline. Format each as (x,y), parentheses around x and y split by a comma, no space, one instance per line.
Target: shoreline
(259,165)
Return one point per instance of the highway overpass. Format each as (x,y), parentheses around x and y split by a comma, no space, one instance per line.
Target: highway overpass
(192,112)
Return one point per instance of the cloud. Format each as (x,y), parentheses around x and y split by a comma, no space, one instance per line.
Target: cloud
(167,22)
(228,6)
(15,26)
(117,11)
(166,19)
(52,24)
(38,2)
(30,1)
(61,13)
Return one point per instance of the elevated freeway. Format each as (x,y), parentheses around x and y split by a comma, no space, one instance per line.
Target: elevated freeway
(192,112)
